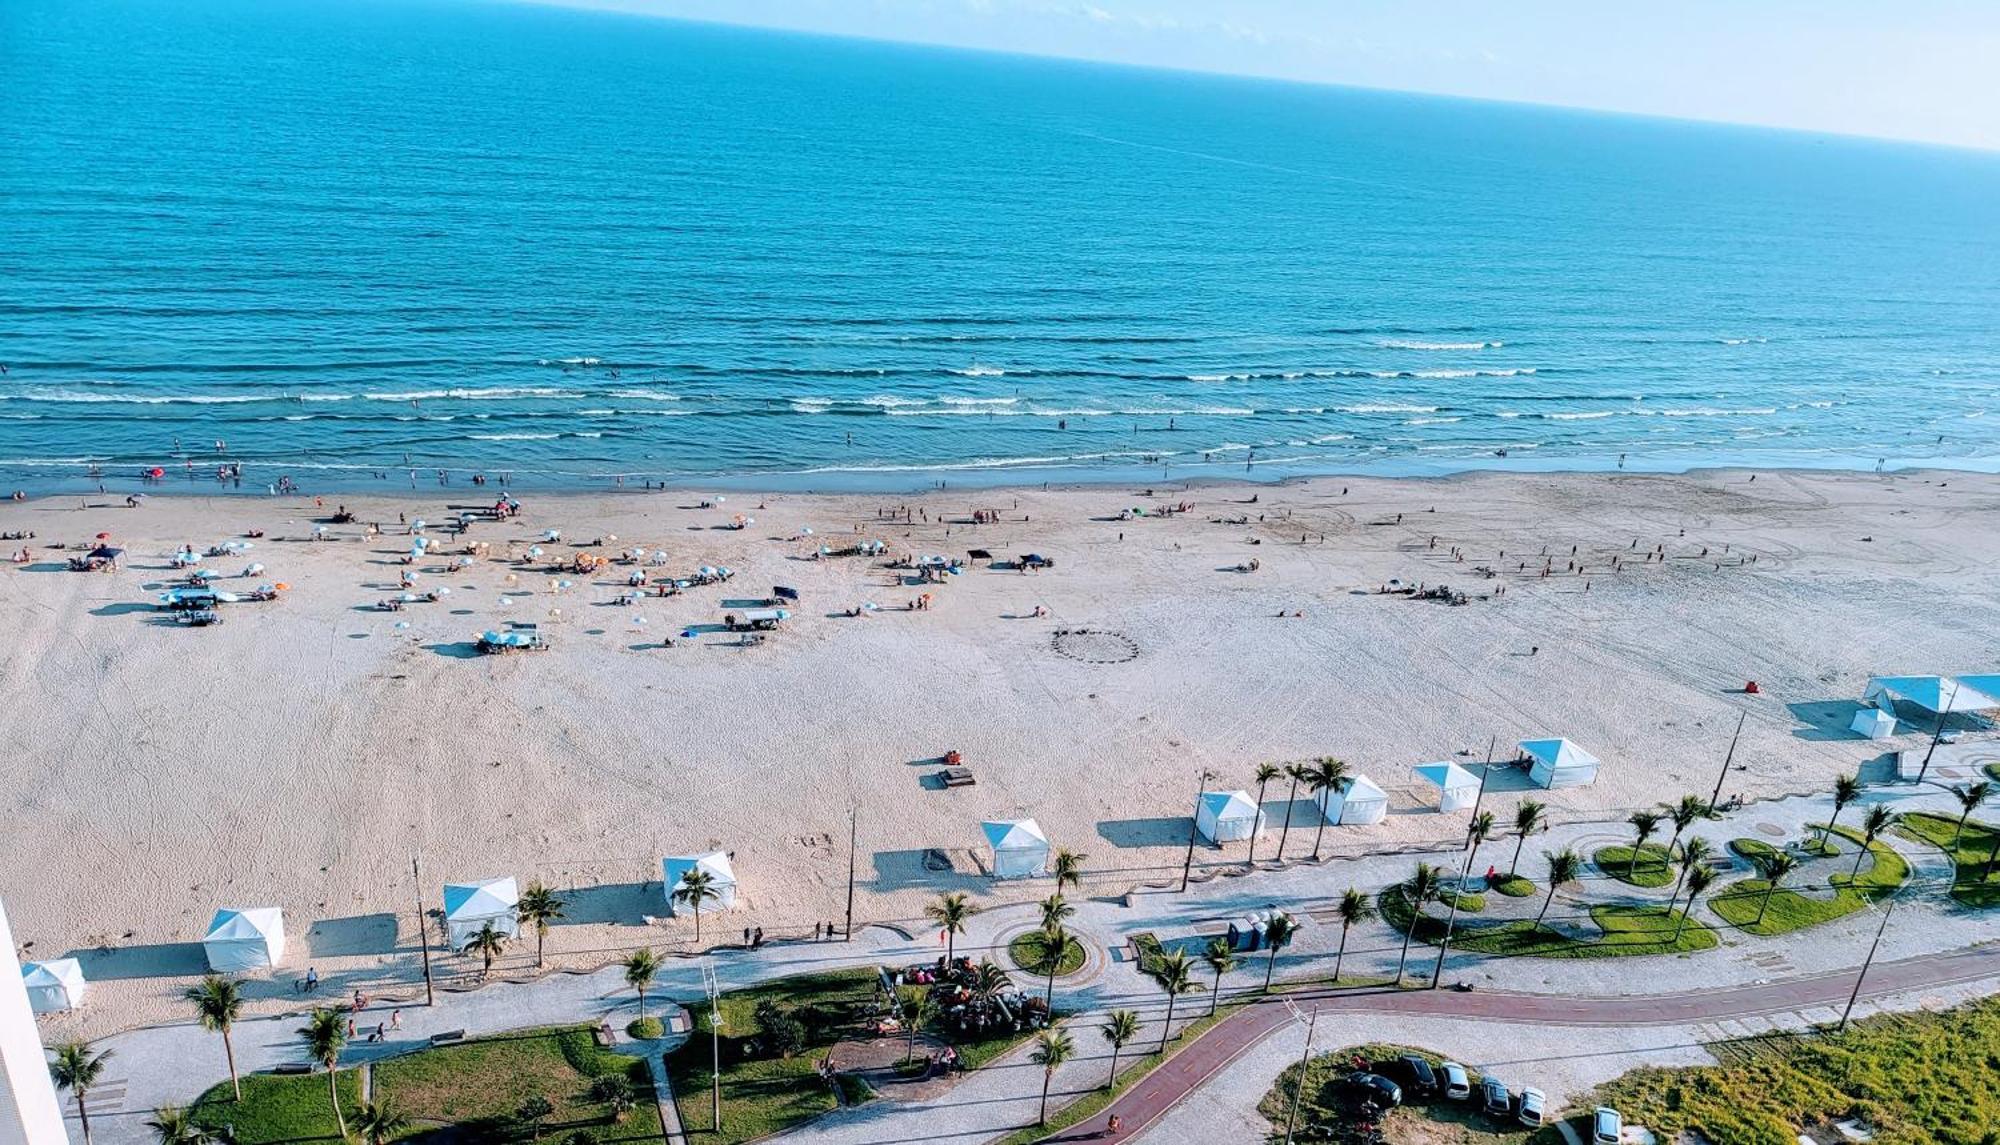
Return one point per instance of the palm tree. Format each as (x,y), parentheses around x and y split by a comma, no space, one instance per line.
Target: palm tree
(1878,820)
(1684,814)
(914,1005)
(950,912)
(76,1069)
(1325,774)
(1969,799)
(1277,935)
(1418,889)
(1057,942)
(538,907)
(174,1125)
(1068,869)
(1846,789)
(695,888)
(1354,907)
(1056,910)
(1527,820)
(377,1121)
(990,980)
(1697,882)
(1052,1049)
(218,1002)
(1644,823)
(1775,868)
(325,1035)
(1296,773)
(1478,831)
(1564,866)
(1175,974)
(1264,774)
(489,944)
(1693,857)
(1221,958)
(1120,1027)
(641,967)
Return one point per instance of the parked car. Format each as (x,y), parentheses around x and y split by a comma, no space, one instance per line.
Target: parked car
(1495,1098)
(1606,1126)
(1373,1091)
(1533,1104)
(1416,1074)
(1457,1083)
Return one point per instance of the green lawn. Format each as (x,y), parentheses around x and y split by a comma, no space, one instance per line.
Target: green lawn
(1468,903)
(1738,903)
(1514,886)
(1916,1078)
(761,1095)
(1133,1066)
(1325,1116)
(1976,883)
(461,1093)
(1026,950)
(1653,869)
(1755,850)
(1628,931)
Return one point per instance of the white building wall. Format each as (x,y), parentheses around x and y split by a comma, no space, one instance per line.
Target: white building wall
(29,1112)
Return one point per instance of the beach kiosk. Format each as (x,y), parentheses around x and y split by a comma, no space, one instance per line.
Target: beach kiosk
(245,938)
(1458,789)
(1559,763)
(1933,695)
(54,986)
(1873,723)
(1020,849)
(1356,801)
(721,879)
(468,907)
(1227,816)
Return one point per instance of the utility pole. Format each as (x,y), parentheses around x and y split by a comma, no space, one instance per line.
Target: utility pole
(1726,761)
(1194,825)
(1937,733)
(853,833)
(1866,963)
(423,931)
(1299,1090)
(1465,870)
(714,1040)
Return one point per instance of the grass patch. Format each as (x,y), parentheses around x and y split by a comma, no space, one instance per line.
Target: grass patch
(1755,850)
(645,1028)
(854,1090)
(765,1095)
(466,1092)
(1513,886)
(1739,903)
(1628,931)
(279,1107)
(1325,1116)
(1915,1078)
(1974,882)
(1653,867)
(1026,952)
(1133,1067)
(1468,902)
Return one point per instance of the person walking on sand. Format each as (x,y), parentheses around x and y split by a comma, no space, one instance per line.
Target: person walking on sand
(396,1019)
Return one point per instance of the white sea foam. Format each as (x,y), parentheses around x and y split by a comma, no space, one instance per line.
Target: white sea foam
(1386,408)
(1700,411)
(979,401)
(514,436)
(1403,345)
(981,372)
(1432,420)
(486,394)
(1582,415)
(645,395)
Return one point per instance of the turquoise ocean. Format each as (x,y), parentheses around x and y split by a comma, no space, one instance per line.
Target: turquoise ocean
(338,242)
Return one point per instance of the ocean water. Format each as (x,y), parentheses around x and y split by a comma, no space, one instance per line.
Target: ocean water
(346,241)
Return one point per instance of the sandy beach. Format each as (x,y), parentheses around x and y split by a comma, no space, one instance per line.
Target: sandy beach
(299,754)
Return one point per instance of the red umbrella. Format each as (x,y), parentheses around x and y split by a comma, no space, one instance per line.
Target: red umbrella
(104,536)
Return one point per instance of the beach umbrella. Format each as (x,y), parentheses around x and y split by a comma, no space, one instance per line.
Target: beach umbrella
(870,606)
(156,471)
(535,551)
(610,537)
(253,569)
(281,586)
(720,500)
(419,526)
(552,535)
(689,634)
(442,590)
(402,624)
(104,536)
(506,600)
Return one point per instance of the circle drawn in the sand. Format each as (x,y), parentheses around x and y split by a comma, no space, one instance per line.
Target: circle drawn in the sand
(1094,646)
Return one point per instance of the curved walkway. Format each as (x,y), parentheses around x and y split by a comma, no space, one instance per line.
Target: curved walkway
(1146,1101)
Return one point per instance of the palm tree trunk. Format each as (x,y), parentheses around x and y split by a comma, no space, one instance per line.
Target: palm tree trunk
(541,936)
(1268,968)
(1256,822)
(1168,1029)
(1960,833)
(1286,831)
(1830,823)
(1679,881)
(1680,923)
(1320,833)
(83,1116)
(1113,1079)
(697,922)
(1049,998)
(642,1003)
(1407,936)
(1340,954)
(333,1094)
(1042,1118)
(1215,996)
(1858,856)
(950,947)
(1545,906)
(1516,864)
(229,1052)
(1993,856)
(1769,890)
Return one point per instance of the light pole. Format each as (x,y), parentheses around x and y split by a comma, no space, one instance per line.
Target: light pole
(1866,963)
(1305,1059)
(1465,870)
(853,833)
(1194,825)
(1938,732)
(714,1040)
(1726,761)
(423,931)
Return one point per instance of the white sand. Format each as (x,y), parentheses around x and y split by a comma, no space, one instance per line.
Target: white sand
(298,754)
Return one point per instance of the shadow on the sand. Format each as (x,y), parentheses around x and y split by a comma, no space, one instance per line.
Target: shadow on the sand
(1164,831)
(164,960)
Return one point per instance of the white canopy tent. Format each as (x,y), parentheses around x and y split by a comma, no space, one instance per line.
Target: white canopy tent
(1934,694)
(1985,683)
(1355,802)
(1228,816)
(1873,723)
(245,938)
(468,907)
(54,986)
(721,878)
(1458,788)
(1560,763)
(1020,849)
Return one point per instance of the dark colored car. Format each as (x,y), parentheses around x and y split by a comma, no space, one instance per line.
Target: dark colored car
(1373,1091)
(1416,1074)
(1495,1098)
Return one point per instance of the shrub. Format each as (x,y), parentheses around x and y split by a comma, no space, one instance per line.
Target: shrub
(645,1028)
(780,1032)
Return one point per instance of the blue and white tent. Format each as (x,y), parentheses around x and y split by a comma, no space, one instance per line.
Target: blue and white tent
(1560,763)
(1020,848)
(1457,788)
(1228,816)
(468,907)
(721,878)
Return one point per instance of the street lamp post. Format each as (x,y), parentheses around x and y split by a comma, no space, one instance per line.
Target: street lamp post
(1866,963)
(1937,733)
(1726,761)
(1465,869)
(1305,1058)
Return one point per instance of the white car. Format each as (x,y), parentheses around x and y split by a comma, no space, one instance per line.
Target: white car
(1606,1126)
(1533,1103)
(1457,1083)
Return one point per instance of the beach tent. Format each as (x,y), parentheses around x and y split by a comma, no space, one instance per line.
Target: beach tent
(1020,849)
(468,907)
(1356,801)
(1228,816)
(1986,684)
(1458,788)
(245,938)
(721,879)
(1934,694)
(1873,723)
(54,986)
(1560,763)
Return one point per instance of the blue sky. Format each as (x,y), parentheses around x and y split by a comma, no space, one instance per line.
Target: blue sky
(1904,69)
